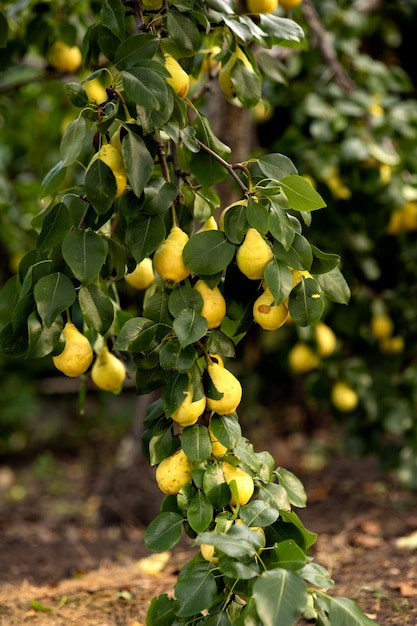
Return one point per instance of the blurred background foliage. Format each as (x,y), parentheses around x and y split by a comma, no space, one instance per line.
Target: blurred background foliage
(345,112)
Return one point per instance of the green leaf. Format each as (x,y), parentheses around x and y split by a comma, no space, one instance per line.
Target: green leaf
(135,49)
(100,186)
(205,167)
(334,286)
(85,253)
(53,294)
(173,357)
(215,486)
(247,84)
(239,542)
(159,196)
(323,262)
(184,297)
(288,555)
(306,305)
(344,612)
(301,195)
(200,511)
(257,514)
(53,180)
(138,162)
(144,234)
(136,335)
(161,611)
(96,307)
(226,429)
(235,223)
(208,253)
(147,87)
(38,606)
(113,17)
(161,445)
(274,496)
(280,596)
(174,392)
(164,532)
(299,256)
(283,31)
(276,166)
(4,30)
(196,443)
(257,216)
(293,486)
(54,227)
(182,30)
(289,526)
(278,278)
(280,226)
(316,575)
(42,339)
(195,590)
(156,309)
(189,326)
(72,141)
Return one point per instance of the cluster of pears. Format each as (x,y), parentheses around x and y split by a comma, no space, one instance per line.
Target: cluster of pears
(303,358)
(269,6)
(382,328)
(108,372)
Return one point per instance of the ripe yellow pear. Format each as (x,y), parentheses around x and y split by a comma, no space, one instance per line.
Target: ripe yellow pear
(289,4)
(262,6)
(298,275)
(114,160)
(244,483)
(209,224)
(108,372)
(302,359)
(343,397)
(207,552)
(179,80)
(77,355)
(392,345)
(225,80)
(65,59)
(268,315)
(95,91)
(142,276)
(214,304)
(189,411)
(225,382)
(167,259)
(325,338)
(217,448)
(174,472)
(210,64)
(382,326)
(253,255)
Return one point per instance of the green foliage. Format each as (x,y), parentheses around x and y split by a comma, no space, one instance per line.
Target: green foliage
(145,195)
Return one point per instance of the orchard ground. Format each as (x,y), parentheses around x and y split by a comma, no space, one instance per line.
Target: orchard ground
(60,564)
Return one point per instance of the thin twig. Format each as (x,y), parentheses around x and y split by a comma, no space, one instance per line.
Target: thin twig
(228,166)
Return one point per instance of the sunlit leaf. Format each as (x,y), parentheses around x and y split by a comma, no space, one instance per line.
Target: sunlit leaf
(280,597)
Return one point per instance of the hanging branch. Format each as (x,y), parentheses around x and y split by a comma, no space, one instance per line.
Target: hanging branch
(321,41)
(228,166)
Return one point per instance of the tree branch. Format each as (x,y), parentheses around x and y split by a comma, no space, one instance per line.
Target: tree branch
(228,166)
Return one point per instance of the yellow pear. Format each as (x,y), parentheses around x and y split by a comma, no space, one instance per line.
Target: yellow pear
(214,304)
(243,480)
(207,552)
(189,411)
(343,397)
(302,359)
(262,6)
(253,255)
(174,472)
(209,224)
(217,448)
(114,160)
(298,275)
(95,91)
(289,4)
(108,372)
(392,345)
(382,326)
(77,355)
(179,80)
(142,276)
(225,382)
(225,81)
(210,64)
(268,315)
(325,338)
(167,259)
(65,59)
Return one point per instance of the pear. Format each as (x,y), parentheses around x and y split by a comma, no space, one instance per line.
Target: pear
(302,359)
(167,259)
(179,80)
(343,397)
(77,355)
(207,552)
(108,372)
(227,384)
(95,91)
(243,480)
(268,315)
(225,80)
(209,224)
(298,275)
(188,412)
(325,338)
(253,255)
(214,304)
(142,276)
(382,326)
(114,160)
(262,6)
(217,448)
(174,472)
(65,59)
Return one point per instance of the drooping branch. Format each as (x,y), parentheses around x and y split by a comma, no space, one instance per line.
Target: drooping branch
(322,42)
(230,167)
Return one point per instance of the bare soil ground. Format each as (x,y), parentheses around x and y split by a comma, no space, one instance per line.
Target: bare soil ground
(60,566)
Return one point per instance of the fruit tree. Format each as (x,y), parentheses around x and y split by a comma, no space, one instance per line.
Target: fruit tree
(134,195)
